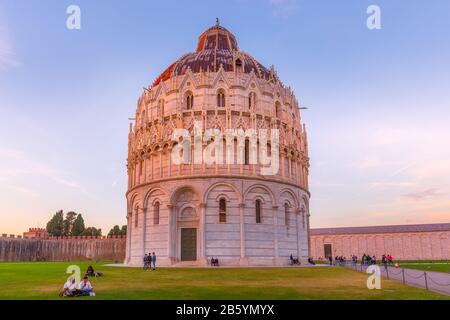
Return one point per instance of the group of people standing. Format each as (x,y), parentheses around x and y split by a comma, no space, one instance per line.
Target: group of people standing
(338,260)
(386,259)
(365,260)
(150,261)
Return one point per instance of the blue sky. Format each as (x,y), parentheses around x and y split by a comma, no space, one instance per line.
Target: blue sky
(379,100)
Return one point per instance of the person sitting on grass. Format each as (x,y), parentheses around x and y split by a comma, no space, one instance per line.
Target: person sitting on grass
(70,288)
(85,288)
(91,273)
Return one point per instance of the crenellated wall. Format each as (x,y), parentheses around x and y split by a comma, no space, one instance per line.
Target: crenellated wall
(62,249)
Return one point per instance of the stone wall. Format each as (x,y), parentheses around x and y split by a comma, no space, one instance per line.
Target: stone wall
(62,249)
(402,246)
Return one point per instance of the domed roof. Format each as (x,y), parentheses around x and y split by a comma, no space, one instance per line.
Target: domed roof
(216,47)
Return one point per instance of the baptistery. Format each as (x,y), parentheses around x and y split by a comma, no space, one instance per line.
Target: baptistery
(218,163)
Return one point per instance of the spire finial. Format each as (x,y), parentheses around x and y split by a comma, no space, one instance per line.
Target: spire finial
(217,22)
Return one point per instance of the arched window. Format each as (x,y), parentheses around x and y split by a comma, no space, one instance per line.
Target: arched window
(156,213)
(221,99)
(247,152)
(189,100)
(238,65)
(258,210)
(222,210)
(251,100)
(286,214)
(278,110)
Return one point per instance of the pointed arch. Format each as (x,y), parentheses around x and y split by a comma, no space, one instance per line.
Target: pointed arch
(221,98)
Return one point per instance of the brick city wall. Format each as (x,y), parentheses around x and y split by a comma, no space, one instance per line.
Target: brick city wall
(16,249)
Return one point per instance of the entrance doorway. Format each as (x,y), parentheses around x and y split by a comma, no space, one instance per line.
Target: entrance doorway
(188,244)
(328,250)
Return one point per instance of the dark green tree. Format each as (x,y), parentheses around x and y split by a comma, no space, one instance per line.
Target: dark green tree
(78,226)
(115,231)
(68,222)
(92,231)
(123,231)
(55,226)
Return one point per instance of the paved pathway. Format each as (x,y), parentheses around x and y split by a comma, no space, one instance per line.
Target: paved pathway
(435,281)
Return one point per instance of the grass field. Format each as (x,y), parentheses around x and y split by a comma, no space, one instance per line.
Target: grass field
(440,267)
(44,280)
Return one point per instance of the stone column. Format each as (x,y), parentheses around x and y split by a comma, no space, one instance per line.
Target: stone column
(169,160)
(160,164)
(145,169)
(202,226)
(151,163)
(144,230)
(275,232)
(171,255)
(308,232)
(299,217)
(128,253)
(289,157)
(243,259)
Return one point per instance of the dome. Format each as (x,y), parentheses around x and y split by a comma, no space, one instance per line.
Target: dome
(216,47)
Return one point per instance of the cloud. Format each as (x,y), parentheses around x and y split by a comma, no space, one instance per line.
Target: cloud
(284,8)
(12,162)
(25,191)
(7,56)
(430,193)
(400,184)
(65,182)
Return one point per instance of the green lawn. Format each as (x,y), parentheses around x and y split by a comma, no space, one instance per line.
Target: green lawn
(44,280)
(441,267)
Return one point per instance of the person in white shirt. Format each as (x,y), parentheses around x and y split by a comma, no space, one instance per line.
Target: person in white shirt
(85,288)
(70,287)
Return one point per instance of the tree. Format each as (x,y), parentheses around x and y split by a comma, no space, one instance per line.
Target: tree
(115,231)
(78,226)
(68,223)
(55,226)
(92,231)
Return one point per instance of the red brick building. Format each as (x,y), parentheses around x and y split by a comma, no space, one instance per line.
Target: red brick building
(36,233)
